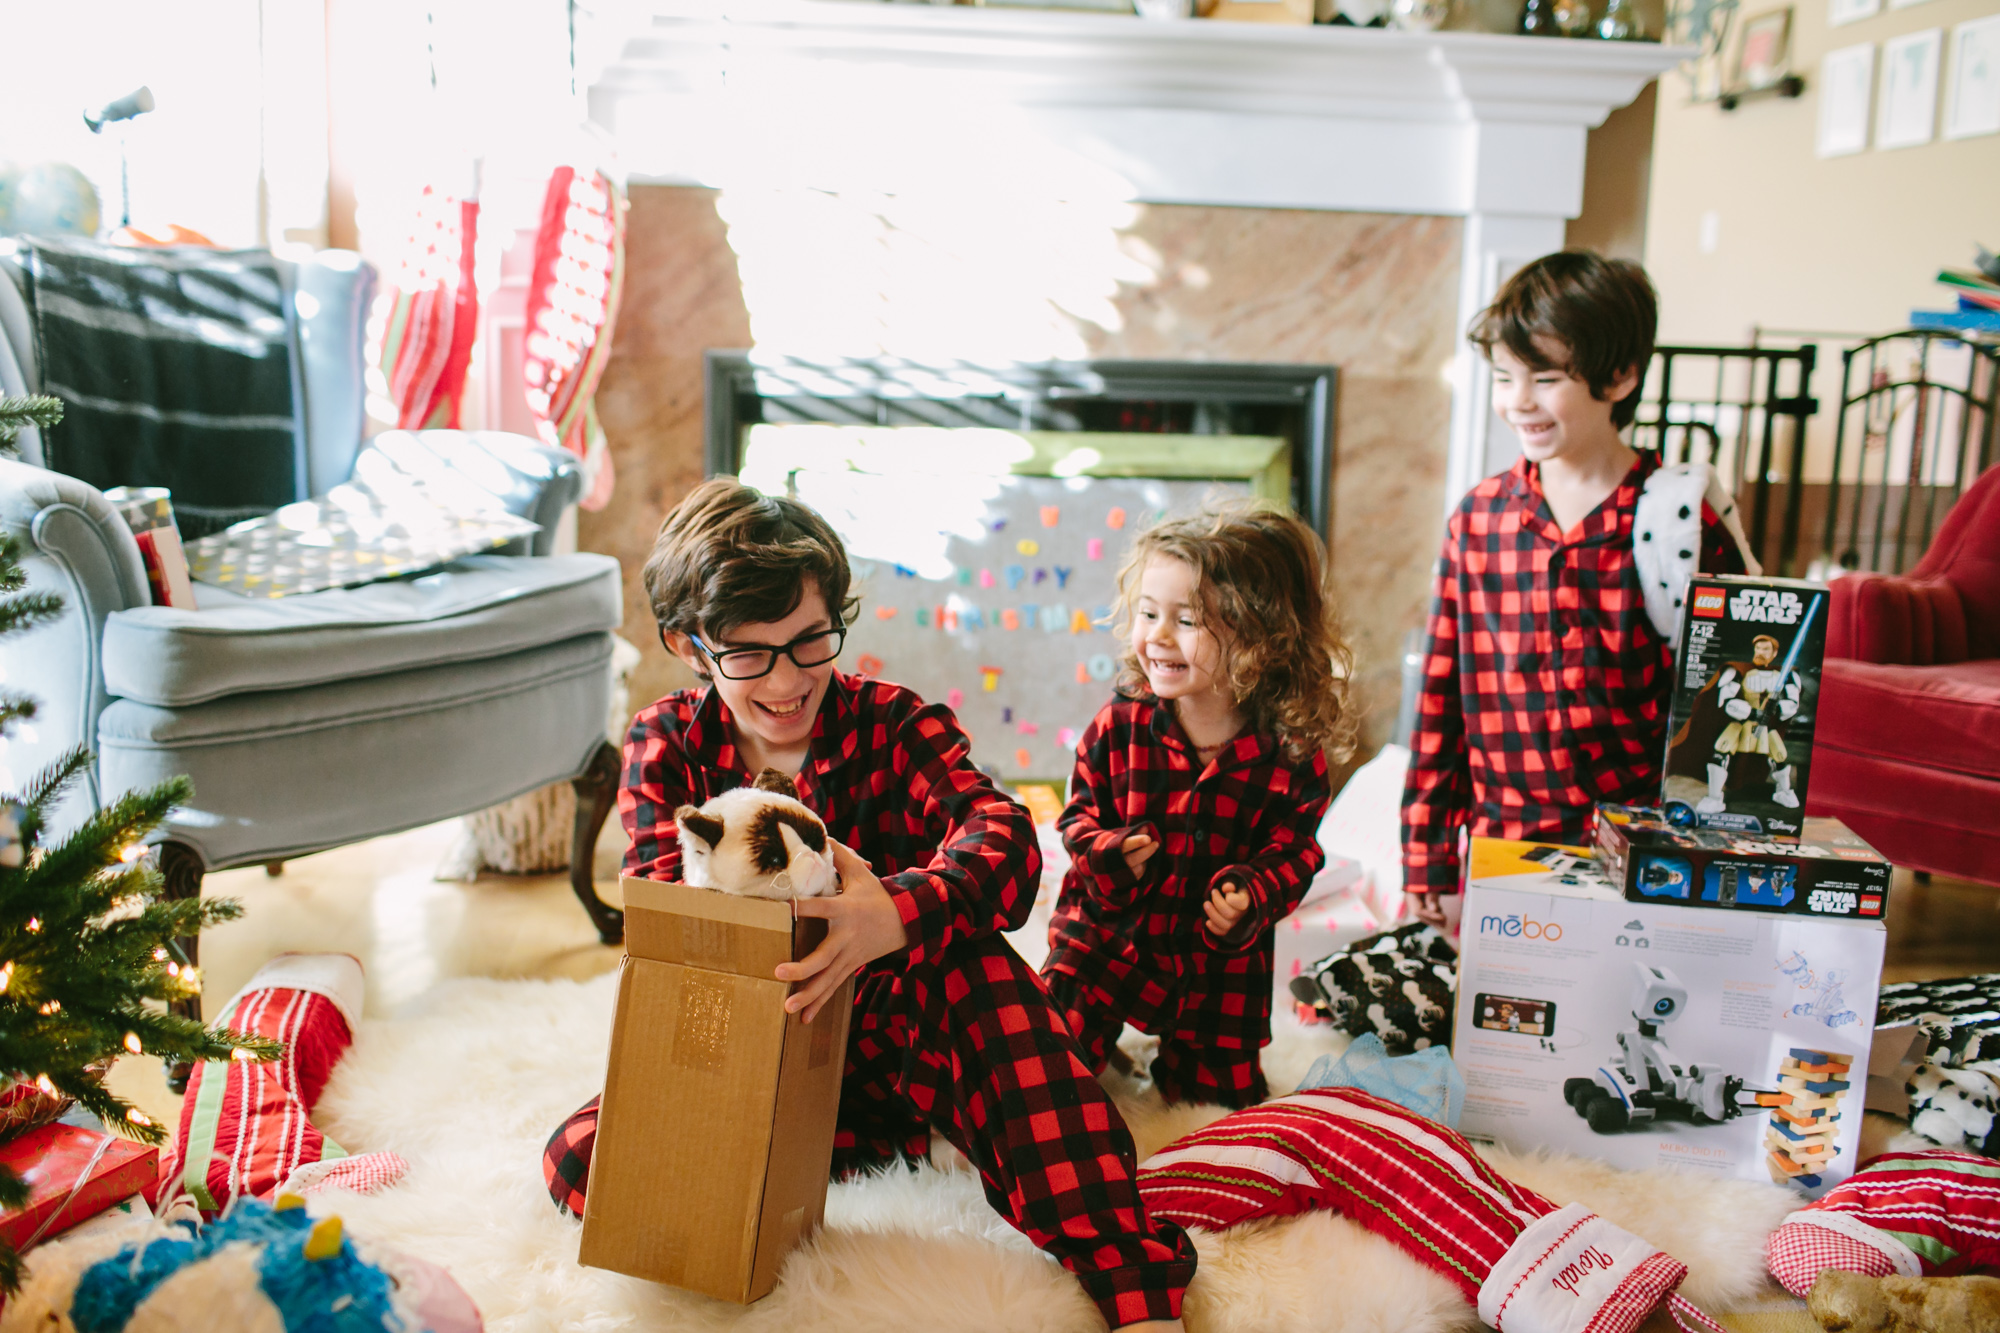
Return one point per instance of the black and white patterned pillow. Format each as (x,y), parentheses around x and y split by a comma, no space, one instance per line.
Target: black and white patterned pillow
(1397,985)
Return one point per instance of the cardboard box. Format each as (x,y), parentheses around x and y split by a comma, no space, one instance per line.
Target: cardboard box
(1758,1026)
(1746,692)
(716,1131)
(1829,872)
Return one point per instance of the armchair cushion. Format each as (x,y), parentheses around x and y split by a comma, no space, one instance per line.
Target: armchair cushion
(1943,717)
(284,773)
(475,608)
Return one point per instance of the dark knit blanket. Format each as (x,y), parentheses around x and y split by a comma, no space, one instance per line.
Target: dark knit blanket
(176,368)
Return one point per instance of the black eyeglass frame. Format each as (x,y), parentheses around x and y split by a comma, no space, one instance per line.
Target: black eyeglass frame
(839,633)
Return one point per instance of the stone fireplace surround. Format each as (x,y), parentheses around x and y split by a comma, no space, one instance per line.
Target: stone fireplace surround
(1258,193)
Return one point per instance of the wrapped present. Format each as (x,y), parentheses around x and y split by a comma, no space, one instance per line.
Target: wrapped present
(149,512)
(73,1174)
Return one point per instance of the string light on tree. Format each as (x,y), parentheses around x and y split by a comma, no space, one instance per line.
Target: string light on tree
(87,928)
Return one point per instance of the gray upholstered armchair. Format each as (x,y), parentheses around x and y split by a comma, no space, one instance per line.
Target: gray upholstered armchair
(311,721)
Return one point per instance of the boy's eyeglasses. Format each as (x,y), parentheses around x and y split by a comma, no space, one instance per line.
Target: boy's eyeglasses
(755,660)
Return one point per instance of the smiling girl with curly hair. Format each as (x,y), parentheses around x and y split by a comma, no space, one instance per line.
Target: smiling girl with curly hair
(1232,699)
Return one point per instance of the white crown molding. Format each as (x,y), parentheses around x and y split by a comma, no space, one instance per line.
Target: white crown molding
(907,97)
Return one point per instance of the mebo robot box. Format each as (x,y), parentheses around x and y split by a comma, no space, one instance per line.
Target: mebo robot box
(1746,691)
(1654,1034)
(1828,872)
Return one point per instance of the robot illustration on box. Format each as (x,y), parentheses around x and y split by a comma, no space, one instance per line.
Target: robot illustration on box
(1643,1081)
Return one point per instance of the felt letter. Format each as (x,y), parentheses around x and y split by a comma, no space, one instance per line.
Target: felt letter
(923,618)
(1102,667)
(1031,728)
(1006,715)
(1062,574)
(954,699)
(1014,576)
(1041,575)
(1079,622)
(1066,738)
(989,678)
(1028,546)
(1116,518)
(1010,619)
(1082,671)
(1051,515)
(1094,548)
(985,578)
(1055,617)
(869,665)
(965,578)
(1022,758)
(885,613)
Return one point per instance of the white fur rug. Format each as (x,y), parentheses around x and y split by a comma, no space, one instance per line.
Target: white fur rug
(469,1083)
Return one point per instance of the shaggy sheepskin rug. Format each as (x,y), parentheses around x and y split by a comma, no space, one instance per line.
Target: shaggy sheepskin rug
(469,1083)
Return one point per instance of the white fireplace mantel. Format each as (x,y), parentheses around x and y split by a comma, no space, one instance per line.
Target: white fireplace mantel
(899,97)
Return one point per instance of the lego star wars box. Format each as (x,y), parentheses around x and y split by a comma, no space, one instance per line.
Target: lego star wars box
(1746,692)
(1655,1034)
(1828,872)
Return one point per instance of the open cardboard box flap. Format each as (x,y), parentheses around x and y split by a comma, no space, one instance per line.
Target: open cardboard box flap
(676,923)
(717,1124)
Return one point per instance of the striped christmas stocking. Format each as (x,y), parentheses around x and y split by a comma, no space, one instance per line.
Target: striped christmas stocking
(1913,1214)
(1528,1265)
(246,1128)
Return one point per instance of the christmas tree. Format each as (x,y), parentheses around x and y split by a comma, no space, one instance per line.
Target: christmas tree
(89,960)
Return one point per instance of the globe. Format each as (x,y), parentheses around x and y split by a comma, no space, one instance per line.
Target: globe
(47,197)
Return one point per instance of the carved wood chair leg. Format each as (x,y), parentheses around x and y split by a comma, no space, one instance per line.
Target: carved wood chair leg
(181,867)
(596,789)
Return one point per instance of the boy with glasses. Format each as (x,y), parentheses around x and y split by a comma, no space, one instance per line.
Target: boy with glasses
(951,1029)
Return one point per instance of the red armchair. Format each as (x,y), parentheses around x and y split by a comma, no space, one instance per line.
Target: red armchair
(1908,742)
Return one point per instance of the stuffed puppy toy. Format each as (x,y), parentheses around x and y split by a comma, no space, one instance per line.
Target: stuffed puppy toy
(758,841)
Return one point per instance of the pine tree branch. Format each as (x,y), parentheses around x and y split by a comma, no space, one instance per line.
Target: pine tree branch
(47,785)
(17,413)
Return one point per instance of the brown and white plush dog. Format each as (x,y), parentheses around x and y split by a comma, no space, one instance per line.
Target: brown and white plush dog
(758,841)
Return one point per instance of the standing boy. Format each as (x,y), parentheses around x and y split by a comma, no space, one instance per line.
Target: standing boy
(951,1031)
(1545,684)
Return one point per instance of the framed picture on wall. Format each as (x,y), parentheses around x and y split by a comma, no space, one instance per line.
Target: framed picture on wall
(1764,54)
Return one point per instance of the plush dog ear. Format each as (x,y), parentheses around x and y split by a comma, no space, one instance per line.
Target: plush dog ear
(771,779)
(707,828)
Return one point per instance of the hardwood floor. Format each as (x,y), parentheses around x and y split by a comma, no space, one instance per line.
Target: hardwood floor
(1944,928)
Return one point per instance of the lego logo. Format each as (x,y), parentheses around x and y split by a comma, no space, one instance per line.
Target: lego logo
(1709,602)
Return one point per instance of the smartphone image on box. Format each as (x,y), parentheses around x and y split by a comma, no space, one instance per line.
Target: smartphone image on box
(1505,1013)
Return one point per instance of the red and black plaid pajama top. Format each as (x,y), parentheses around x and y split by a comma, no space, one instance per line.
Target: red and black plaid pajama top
(1545,685)
(1137,949)
(954,1032)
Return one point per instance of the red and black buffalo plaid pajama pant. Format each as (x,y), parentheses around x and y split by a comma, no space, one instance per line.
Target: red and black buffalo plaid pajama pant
(1210,1012)
(970,1046)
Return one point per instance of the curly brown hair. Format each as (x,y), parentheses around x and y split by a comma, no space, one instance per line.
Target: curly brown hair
(1261,588)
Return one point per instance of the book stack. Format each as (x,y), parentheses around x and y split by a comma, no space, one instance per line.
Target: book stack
(1805,1114)
(1978,293)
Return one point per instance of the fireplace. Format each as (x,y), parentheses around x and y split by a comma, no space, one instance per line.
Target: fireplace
(869,183)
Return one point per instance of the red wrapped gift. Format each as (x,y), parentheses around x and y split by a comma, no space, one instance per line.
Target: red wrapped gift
(74,1174)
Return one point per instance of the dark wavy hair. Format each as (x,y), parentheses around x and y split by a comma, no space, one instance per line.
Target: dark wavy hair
(1602,312)
(728,555)
(1261,589)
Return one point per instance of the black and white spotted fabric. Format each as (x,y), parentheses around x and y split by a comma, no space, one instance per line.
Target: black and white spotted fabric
(1397,985)
(1955,1093)
(1961,1015)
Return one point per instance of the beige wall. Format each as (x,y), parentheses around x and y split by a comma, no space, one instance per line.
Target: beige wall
(1842,245)
(1617,163)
